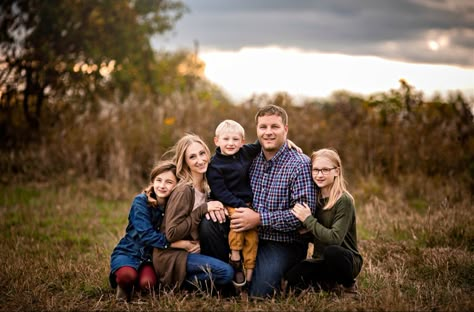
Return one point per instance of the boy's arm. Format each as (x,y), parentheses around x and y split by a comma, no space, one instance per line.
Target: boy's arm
(253,149)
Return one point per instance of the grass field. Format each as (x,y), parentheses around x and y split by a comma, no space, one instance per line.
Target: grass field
(56,240)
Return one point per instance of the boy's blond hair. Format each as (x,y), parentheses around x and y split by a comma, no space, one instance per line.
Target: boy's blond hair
(229,125)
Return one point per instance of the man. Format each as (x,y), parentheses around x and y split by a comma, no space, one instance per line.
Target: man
(280,177)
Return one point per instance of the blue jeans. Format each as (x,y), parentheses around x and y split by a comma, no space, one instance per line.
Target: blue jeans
(204,268)
(273,260)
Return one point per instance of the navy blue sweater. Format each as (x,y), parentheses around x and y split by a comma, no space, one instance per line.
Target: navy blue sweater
(228,176)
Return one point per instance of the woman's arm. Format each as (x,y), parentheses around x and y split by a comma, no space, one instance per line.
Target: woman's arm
(179,214)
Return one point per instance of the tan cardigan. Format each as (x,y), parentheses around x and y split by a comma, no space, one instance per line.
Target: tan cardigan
(181,222)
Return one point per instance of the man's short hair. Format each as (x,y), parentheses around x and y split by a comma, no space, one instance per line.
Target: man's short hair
(271,109)
(229,125)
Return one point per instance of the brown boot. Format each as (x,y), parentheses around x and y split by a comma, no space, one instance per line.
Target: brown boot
(239,276)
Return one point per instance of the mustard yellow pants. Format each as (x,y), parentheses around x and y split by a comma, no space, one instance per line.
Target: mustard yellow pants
(246,241)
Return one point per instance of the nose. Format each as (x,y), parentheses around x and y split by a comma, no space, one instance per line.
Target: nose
(161,184)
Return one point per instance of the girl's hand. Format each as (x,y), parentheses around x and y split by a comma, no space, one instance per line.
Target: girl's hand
(301,211)
(194,247)
(292,145)
(189,246)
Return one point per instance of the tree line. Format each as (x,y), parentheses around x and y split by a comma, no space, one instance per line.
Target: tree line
(83,94)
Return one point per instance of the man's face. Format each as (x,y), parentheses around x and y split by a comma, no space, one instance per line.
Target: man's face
(271,132)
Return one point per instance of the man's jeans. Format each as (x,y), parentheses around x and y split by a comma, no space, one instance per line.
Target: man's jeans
(273,258)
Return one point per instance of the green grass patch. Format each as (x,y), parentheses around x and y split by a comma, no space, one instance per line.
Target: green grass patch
(58,239)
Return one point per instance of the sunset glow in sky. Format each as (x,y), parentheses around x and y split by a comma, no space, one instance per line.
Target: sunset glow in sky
(272,69)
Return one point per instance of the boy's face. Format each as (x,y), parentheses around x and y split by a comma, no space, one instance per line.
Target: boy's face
(229,142)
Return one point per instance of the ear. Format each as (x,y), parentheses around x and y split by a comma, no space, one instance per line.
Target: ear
(215,140)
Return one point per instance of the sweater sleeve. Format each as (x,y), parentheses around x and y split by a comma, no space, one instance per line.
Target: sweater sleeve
(180,218)
(221,192)
(253,149)
(335,234)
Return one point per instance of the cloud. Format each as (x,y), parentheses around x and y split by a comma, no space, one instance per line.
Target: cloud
(426,31)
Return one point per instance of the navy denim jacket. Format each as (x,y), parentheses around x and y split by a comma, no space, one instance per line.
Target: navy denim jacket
(141,236)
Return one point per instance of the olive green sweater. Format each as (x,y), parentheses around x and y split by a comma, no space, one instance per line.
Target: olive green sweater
(335,226)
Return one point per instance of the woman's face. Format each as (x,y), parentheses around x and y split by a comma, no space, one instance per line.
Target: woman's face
(196,158)
(163,184)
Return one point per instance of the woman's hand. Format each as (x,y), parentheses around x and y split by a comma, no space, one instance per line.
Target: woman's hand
(301,211)
(216,211)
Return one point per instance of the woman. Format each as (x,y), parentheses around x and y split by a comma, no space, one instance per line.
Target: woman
(336,260)
(186,206)
(130,262)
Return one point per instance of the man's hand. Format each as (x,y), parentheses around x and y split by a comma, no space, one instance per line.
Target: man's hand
(244,219)
(301,211)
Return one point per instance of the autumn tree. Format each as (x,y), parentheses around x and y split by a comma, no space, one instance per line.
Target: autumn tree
(57,49)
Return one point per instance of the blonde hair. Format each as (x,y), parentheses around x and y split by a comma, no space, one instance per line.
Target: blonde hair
(229,125)
(338,188)
(183,172)
(160,167)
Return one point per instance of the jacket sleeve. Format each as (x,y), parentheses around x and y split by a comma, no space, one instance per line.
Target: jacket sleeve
(140,217)
(253,149)
(340,225)
(180,218)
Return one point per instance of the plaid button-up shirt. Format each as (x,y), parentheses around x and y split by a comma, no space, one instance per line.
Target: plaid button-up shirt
(278,184)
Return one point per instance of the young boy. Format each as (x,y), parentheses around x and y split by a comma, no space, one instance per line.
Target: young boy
(227,175)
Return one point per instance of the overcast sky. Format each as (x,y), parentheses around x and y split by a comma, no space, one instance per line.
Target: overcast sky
(413,31)
(431,31)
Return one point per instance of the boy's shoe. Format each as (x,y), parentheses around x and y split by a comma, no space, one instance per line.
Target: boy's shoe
(123,294)
(351,291)
(239,276)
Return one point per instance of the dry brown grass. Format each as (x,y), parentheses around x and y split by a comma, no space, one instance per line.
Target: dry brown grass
(56,241)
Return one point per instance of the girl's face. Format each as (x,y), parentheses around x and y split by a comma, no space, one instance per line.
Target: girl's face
(163,184)
(324,172)
(196,158)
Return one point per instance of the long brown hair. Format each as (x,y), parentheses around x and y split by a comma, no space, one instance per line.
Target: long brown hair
(338,188)
(160,167)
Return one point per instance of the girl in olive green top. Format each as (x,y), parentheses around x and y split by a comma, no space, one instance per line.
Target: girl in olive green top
(336,261)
